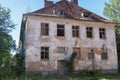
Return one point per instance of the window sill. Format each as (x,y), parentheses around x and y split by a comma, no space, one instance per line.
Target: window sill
(104,59)
(44,59)
(90,38)
(61,37)
(76,37)
(103,38)
(44,36)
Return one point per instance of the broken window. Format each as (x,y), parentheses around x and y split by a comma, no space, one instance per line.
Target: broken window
(77,51)
(75,31)
(89,31)
(60,30)
(104,55)
(44,29)
(44,52)
(90,53)
(61,49)
(102,33)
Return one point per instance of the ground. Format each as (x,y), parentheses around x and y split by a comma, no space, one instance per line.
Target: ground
(71,77)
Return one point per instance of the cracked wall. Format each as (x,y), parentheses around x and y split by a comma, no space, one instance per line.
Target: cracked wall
(34,41)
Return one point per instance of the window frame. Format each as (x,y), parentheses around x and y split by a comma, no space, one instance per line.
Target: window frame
(89,32)
(44,29)
(75,29)
(44,52)
(91,55)
(102,33)
(61,30)
(104,54)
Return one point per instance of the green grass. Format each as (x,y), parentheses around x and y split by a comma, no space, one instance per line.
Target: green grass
(70,77)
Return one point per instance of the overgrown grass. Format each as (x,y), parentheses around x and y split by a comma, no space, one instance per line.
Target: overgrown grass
(70,77)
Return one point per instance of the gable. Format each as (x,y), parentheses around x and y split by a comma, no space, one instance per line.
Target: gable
(67,9)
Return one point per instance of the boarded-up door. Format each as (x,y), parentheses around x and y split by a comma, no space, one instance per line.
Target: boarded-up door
(61,67)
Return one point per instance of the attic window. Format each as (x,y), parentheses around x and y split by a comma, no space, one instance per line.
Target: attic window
(55,11)
(62,13)
(84,15)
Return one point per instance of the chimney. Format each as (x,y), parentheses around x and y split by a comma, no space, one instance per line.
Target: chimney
(47,3)
(75,1)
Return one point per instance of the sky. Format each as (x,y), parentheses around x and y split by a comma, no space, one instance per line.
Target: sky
(20,7)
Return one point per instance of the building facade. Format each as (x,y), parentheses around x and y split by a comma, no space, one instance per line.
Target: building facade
(50,35)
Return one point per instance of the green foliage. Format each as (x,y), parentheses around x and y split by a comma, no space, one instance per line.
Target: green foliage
(6,24)
(7,44)
(112,11)
(20,65)
(69,63)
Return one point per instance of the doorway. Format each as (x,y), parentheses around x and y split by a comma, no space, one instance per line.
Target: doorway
(61,67)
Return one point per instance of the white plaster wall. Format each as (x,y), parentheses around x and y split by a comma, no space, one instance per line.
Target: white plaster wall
(34,44)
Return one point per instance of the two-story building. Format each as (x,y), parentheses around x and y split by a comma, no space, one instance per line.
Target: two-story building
(50,35)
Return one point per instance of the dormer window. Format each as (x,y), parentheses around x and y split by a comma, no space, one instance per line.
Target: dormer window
(62,13)
(82,14)
(86,16)
(55,11)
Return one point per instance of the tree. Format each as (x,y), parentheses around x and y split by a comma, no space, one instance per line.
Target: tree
(7,44)
(112,11)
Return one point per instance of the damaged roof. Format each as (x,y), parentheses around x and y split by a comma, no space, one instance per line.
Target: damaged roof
(70,10)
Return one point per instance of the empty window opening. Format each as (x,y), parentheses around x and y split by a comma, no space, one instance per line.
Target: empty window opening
(61,49)
(44,29)
(60,30)
(75,31)
(89,32)
(44,52)
(90,53)
(102,33)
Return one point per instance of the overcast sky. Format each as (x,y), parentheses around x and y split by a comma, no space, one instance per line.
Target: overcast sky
(19,7)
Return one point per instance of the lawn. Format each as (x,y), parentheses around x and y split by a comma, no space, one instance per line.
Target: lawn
(73,77)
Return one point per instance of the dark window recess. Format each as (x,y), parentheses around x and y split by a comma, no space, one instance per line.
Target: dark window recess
(89,32)
(90,53)
(44,52)
(102,33)
(75,31)
(86,16)
(60,30)
(44,29)
(104,55)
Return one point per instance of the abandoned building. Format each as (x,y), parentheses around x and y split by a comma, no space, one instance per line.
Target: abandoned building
(50,35)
